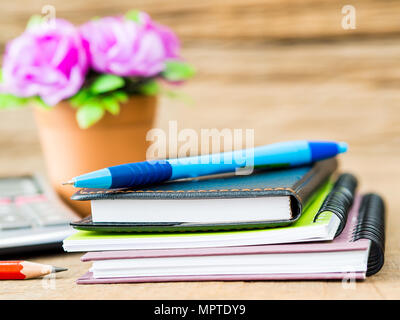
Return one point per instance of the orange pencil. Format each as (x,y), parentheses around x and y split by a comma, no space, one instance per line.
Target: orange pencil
(18,270)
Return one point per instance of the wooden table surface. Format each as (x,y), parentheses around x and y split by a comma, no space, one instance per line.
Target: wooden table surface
(339,90)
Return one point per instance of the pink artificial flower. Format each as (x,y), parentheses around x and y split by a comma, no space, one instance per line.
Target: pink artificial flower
(46,61)
(124,47)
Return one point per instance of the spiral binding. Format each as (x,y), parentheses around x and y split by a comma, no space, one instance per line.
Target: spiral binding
(340,199)
(371,225)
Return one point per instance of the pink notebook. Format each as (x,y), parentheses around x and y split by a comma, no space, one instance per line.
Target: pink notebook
(344,242)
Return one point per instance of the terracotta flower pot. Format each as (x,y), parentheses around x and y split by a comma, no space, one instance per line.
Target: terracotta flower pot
(70,151)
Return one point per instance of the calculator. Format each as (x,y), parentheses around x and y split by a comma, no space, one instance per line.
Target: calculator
(32,218)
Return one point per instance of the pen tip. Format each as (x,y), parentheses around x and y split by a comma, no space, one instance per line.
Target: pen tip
(70,182)
(58,269)
(342,146)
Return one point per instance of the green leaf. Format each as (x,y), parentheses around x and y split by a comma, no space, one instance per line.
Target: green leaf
(89,114)
(120,96)
(34,21)
(105,83)
(10,101)
(80,98)
(111,104)
(150,88)
(133,15)
(177,71)
(180,96)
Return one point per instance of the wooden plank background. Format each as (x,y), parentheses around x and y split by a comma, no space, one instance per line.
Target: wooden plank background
(234,20)
(283,68)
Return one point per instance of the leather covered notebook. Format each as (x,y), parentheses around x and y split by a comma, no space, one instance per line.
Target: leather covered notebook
(297,185)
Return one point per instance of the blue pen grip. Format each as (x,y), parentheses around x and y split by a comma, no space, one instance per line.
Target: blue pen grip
(140,173)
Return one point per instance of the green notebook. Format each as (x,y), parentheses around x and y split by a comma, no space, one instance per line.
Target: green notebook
(306,228)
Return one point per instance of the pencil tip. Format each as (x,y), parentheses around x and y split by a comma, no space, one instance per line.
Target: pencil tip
(70,182)
(58,269)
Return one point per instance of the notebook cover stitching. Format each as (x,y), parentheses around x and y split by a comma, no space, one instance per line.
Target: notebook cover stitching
(82,191)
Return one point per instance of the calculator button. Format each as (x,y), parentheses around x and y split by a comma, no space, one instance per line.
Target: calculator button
(13,221)
(7,209)
(44,215)
(53,220)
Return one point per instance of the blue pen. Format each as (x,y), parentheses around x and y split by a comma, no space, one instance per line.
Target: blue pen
(291,153)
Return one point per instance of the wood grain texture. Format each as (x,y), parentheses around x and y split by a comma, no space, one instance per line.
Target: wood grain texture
(227,20)
(347,90)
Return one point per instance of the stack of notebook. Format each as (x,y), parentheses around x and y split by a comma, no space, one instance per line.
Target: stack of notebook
(306,222)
